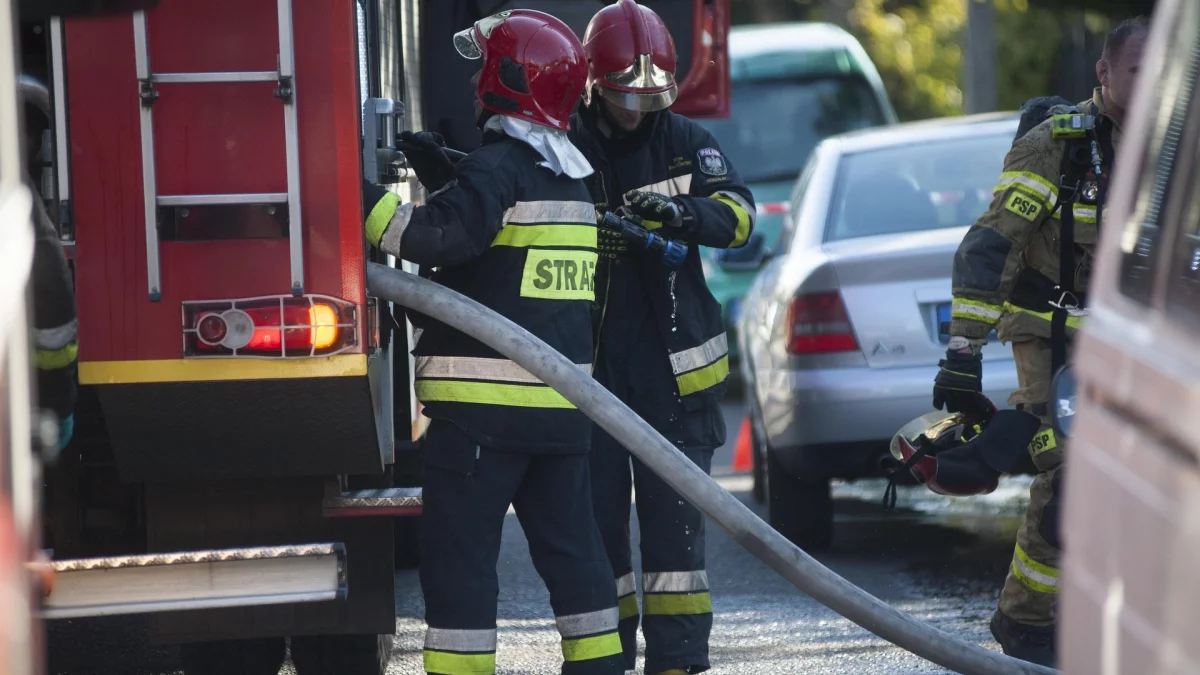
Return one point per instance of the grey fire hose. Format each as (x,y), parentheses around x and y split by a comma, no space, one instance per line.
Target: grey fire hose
(688,479)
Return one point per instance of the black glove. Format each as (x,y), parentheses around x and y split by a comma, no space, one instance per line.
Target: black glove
(423,150)
(959,383)
(655,206)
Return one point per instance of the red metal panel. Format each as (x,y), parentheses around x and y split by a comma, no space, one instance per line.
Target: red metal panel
(209,138)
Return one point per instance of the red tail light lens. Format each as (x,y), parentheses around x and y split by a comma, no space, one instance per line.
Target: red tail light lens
(819,324)
(280,326)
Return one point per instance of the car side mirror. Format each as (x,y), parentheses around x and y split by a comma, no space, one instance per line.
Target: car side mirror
(1062,396)
(749,257)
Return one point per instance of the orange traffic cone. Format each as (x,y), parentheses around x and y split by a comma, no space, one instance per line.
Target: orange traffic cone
(742,461)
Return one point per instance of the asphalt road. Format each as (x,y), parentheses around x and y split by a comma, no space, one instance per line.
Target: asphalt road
(940,560)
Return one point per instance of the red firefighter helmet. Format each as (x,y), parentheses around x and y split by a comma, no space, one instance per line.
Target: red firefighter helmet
(631,57)
(932,434)
(533,66)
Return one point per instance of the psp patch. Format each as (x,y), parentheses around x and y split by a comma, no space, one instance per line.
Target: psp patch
(712,162)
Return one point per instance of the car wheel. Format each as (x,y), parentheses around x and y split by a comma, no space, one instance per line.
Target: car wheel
(757,472)
(802,511)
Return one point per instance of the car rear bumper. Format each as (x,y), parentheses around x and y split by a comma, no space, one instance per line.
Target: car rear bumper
(810,417)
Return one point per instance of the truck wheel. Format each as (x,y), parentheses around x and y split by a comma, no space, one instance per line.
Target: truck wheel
(233,657)
(802,511)
(341,654)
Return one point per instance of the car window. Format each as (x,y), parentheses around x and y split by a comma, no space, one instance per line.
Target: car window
(1163,189)
(919,186)
(795,201)
(775,124)
(1183,280)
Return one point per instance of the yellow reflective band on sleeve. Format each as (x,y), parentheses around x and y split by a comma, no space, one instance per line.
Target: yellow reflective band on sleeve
(1036,576)
(1072,321)
(708,376)
(559,275)
(1030,183)
(1044,441)
(627,606)
(974,310)
(381,214)
(450,663)
(742,232)
(675,604)
(594,647)
(1024,207)
(568,236)
(53,359)
(490,393)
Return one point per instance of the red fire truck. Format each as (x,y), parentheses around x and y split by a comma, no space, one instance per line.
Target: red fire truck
(243,465)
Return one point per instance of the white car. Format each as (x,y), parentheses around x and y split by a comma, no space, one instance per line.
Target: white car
(843,329)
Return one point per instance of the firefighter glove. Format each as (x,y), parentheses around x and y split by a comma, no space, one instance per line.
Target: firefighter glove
(959,383)
(423,150)
(655,207)
(379,206)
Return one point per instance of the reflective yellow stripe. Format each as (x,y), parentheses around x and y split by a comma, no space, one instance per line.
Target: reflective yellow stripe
(1030,182)
(1072,321)
(628,606)
(1035,575)
(490,393)
(651,224)
(708,376)
(220,370)
(559,275)
(523,236)
(742,233)
(1084,213)
(974,310)
(448,663)
(678,603)
(1044,441)
(381,214)
(53,359)
(699,356)
(594,647)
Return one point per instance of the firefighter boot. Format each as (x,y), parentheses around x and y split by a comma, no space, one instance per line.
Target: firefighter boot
(1035,644)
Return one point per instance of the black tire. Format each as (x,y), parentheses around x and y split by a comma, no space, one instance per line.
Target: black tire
(802,511)
(341,654)
(759,488)
(233,657)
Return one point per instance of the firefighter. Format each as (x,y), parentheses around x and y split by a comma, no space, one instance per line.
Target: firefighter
(661,345)
(511,226)
(1009,274)
(54,326)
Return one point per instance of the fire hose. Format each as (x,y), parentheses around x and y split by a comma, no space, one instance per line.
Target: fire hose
(691,482)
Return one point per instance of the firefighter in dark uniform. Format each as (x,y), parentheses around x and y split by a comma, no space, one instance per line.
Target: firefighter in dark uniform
(56,348)
(1023,268)
(511,226)
(661,346)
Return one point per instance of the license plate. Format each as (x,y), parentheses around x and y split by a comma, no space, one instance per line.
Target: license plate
(943,319)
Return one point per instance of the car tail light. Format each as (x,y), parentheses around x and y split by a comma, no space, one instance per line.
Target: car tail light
(772,208)
(819,324)
(275,326)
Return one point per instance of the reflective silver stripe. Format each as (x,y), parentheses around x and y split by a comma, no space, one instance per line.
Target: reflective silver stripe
(1034,575)
(679,185)
(675,582)
(56,338)
(753,213)
(454,640)
(1084,213)
(698,357)
(1032,183)
(557,212)
(985,313)
(591,623)
(625,585)
(473,368)
(390,242)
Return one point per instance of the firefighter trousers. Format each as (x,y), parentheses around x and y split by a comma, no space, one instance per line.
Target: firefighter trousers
(468,490)
(1030,594)
(676,611)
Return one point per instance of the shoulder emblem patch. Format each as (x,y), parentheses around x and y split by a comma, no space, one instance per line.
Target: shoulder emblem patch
(711,162)
(1023,206)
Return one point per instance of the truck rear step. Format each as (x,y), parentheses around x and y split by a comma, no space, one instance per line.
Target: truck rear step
(379,502)
(160,582)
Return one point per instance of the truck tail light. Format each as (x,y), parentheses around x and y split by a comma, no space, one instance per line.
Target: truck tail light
(819,324)
(280,326)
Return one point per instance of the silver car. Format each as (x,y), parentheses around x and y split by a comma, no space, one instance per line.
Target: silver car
(842,331)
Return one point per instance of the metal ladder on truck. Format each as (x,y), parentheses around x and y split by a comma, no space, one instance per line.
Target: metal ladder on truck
(285,90)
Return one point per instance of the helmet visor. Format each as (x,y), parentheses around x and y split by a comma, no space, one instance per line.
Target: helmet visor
(467,45)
